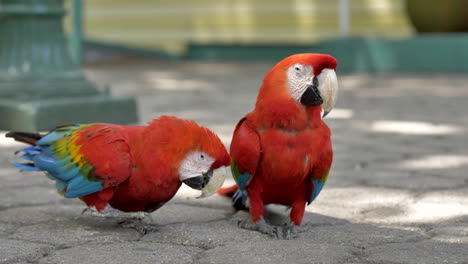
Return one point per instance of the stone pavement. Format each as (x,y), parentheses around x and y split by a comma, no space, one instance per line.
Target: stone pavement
(397,193)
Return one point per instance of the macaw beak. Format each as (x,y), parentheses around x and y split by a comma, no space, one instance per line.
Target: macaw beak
(208,182)
(311,96)
(328,88)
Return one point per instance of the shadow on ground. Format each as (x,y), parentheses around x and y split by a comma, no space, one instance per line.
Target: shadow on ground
(54,231)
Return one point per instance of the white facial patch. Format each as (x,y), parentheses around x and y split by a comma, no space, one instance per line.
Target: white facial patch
(194,164)
(299,78)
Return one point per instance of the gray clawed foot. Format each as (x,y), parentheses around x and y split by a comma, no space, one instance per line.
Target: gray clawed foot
(261,226)
(288,231)
(138,225)
(90,211)
(110,212)
(140,221)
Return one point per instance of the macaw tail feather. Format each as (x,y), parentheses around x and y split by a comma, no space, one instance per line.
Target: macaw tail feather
(239,201)
(228,191)
(28,154)
(238,196)
(25,137)
(26,166)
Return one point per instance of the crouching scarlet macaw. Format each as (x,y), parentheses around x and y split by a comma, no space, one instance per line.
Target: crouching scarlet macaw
(130,168)
(281,151)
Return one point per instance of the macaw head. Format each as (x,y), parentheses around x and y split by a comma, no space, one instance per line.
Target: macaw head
(204,165)
(309,79)
(196,155)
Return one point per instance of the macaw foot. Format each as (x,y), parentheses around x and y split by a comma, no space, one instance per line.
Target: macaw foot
(138,225)
(110,212)
(261,226)
(288,231)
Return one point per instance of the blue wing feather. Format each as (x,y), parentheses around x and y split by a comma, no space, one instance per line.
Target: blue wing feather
(78,187)
(25,167)
(69,178)
(55,134)
(240,197)
(62,158)
(60,169)
(27,157)
(242,180)
(317,188)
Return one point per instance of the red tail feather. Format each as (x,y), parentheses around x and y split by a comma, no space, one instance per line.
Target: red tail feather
(228,191)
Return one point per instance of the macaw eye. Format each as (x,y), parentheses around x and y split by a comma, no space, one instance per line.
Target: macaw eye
(297,68)
(201,157)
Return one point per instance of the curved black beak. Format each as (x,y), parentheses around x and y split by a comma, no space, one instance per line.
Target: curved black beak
(199,182)
(311,96)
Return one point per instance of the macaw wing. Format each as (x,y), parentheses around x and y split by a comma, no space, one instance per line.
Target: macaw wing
(320,171)
(83,159)
(245,152)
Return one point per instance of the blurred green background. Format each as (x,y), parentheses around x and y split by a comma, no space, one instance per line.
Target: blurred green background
(365,35)
(172,26)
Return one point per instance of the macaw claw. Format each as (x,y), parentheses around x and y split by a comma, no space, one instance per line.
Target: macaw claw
(287,232)
(110,212)
(261,226)
(139,226)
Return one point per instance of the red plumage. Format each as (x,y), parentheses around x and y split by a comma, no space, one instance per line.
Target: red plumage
(155,153)
(132,168)
(282,145)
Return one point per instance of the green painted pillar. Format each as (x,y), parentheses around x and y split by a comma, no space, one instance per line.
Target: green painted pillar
(40,85)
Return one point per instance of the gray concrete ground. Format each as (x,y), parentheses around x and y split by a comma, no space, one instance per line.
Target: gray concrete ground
(397,193)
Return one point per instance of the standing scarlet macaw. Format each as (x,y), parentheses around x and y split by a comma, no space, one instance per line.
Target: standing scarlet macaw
(281,151)
(131,168)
